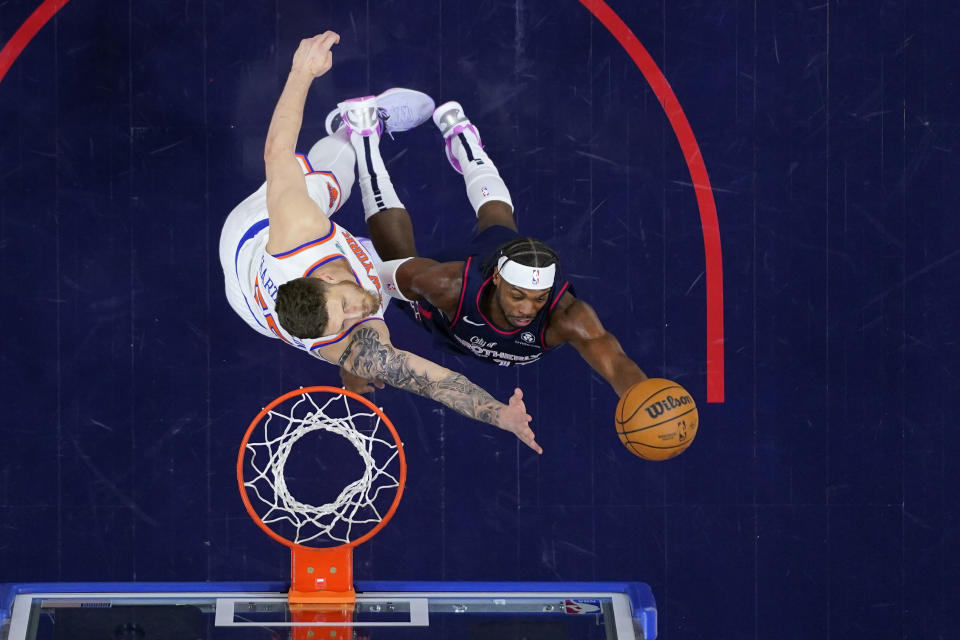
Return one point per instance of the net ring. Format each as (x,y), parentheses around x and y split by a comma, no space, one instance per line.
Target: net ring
(279,449)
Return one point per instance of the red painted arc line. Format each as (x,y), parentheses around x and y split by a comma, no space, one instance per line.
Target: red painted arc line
(701,184)
(40,16)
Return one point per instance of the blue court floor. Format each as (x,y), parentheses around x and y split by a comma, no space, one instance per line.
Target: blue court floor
(763,210)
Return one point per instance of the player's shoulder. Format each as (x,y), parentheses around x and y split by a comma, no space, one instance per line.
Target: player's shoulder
(572,319)
(296,234)
(439,283)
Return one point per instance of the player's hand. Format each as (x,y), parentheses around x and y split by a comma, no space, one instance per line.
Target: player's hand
(358,384)
(313,56)
(514,418)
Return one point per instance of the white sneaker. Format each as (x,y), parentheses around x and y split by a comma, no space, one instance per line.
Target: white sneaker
(452,122)
(399,110)
(404,109)
(360,116)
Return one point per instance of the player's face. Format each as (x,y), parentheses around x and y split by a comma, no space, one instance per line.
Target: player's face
(520,306)
(347,304)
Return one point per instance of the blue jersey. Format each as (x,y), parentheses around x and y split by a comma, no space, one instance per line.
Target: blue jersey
(470,332)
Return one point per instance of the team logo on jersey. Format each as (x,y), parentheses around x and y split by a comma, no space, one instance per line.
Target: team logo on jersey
(334,194)
(526,336)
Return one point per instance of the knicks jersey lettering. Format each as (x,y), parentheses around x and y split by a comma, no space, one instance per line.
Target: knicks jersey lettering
(365,260)
(266,281)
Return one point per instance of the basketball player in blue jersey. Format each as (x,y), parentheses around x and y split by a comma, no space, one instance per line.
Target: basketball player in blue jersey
(500,299)
(294,275)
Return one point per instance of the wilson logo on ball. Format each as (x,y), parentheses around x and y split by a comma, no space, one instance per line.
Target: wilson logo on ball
(668,404)
(656,419)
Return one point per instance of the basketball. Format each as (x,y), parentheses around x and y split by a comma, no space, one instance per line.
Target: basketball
(657,419)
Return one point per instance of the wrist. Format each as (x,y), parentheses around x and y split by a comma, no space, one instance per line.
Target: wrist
(299,76)
(498,416)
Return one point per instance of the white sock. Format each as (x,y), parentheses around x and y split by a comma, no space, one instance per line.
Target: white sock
(376,188)
(480,175)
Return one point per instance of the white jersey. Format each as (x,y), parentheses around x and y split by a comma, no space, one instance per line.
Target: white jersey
(253,275)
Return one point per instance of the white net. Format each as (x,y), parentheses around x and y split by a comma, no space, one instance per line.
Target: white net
(358,507)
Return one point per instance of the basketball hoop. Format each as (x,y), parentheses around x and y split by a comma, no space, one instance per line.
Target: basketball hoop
(321,537)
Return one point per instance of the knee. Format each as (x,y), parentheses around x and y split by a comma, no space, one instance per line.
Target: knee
(329,152)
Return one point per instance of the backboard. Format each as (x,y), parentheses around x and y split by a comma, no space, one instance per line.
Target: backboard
(382,611)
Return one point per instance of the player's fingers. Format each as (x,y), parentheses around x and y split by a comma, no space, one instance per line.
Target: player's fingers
(532,443)
(327,39)
(529,438)
(522,416)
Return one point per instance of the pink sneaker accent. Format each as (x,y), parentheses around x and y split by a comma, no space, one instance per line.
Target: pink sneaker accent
(360,116)
(451,121)
(450,137)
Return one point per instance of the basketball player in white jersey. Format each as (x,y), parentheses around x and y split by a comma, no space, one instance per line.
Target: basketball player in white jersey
(294,275)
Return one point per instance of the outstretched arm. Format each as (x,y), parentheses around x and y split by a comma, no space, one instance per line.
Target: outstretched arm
(438,283)
(576,322)
(416,279)
(293,214)
(370,355)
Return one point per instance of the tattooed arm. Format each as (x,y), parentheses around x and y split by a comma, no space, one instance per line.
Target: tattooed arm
(370,355)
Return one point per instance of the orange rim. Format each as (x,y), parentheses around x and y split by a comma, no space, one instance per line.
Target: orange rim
(344,392)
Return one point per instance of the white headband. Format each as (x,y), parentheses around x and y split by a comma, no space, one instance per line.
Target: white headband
(526,277)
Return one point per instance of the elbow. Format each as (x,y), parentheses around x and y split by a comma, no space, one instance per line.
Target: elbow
(274,150)
(269,148)
(269,152)
(368,356)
